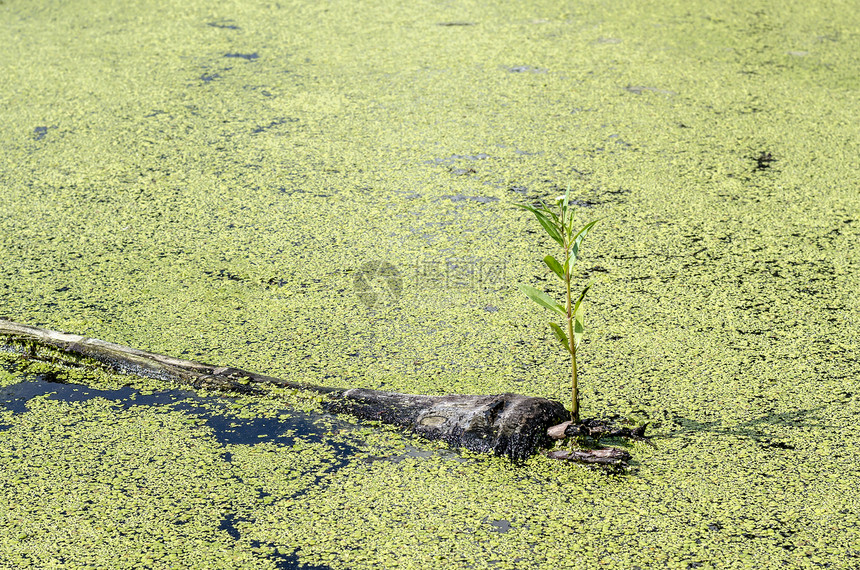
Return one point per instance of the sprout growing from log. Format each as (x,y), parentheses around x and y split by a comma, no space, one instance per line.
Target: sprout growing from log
(560,228)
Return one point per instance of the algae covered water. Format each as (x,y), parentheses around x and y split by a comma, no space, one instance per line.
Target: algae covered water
(325,192)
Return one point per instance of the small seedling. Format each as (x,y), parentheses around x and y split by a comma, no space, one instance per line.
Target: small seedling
(560,228)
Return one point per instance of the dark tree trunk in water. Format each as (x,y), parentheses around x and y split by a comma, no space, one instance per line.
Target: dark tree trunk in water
(506,424)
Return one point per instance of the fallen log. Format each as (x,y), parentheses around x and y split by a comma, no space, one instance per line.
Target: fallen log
(505,424)
(510,425)
(126,360)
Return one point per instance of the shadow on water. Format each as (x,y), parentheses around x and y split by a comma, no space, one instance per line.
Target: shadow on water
(768,430)
(282,561)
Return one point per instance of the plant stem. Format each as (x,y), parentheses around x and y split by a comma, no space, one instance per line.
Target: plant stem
(574,392)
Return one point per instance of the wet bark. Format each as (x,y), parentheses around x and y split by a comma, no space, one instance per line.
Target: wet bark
(505,424)
(25,339)
(600,456)
(596,429)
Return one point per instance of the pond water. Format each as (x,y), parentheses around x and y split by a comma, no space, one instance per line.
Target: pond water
(226,430)
(223,419)
(326,192)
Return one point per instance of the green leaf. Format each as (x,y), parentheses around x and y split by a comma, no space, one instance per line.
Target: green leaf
(579,318)
(555,266)
(542,299)
(550,227)
(577,241)
(559,334)
(544,209)
(557,221)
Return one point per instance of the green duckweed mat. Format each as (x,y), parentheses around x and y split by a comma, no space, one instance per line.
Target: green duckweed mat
(325,192)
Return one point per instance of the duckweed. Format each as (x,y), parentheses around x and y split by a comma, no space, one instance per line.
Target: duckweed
(205,181)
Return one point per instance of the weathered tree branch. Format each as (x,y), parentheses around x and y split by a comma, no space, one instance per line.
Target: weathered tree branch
(129,360)
(505,424)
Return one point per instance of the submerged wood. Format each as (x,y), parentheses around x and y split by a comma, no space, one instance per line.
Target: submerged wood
(600,456)
(129,360)
(596,429)
(505,424)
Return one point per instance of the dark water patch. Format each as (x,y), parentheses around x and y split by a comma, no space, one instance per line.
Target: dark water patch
(208,77)
(500,526)
(463,171)
(277,282)
(290,561)
(595,269)
(619,140)
(300,190)
(777,444)
(224,25)
(225,274)
(228,429)
(245,56)
(39,133)
(343,454)
(289,428)
(274,123)
(455,157)
(461,198)
(763,161)
(639,89)
(526,69)
(228,525)
(281,560)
